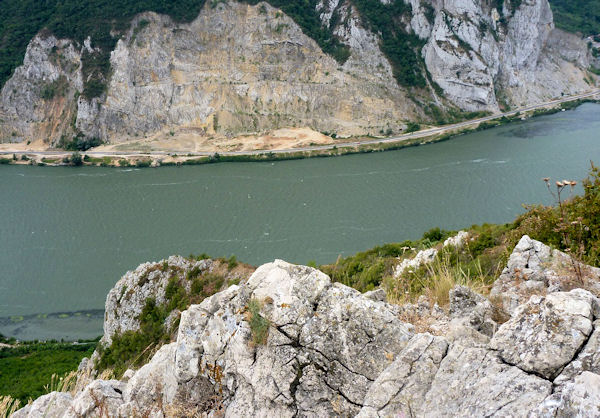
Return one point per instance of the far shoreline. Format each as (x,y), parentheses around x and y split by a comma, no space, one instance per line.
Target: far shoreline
(55,158)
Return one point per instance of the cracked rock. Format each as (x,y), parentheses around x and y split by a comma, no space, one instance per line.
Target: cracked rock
(579,398)
(535,269)
(473,382)
(51,405)
(404,383)
(546,333)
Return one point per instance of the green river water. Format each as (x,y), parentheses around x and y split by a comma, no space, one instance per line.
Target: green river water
(68,234)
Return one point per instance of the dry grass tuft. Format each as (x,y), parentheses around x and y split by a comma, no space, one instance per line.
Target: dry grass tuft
(66,383)
(8,406)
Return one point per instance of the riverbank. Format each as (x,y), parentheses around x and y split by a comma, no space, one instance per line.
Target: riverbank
(320,145)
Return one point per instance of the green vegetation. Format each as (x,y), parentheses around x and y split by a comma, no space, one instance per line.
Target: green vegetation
(572,225)
(304,13)
(450,115)
(259,326)
(106,21)
(577,15)
(400,48)
(143,163)
(20,20)
(134,348)
(75,159)
(78,143)
(412,127)
(103,161)
(53,89)
(27,367)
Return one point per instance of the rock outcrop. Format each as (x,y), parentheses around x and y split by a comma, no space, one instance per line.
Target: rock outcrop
(331,351)
(239,69)
(536,269)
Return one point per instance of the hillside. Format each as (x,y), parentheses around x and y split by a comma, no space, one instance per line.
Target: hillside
(124,71)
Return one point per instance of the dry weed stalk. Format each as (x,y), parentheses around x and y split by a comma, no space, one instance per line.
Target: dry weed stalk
(571,231)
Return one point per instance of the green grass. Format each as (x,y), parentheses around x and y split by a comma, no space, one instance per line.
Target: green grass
(259,326)
(27,368)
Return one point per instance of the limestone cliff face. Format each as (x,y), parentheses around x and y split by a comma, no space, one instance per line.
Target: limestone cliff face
(482,56)
(39,101)
(240,69)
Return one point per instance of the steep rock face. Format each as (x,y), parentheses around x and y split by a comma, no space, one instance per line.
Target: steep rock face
(480,55)
(127,298)
(39,101)
(240,69)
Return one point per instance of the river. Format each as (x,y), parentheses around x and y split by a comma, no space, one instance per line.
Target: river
(68,234)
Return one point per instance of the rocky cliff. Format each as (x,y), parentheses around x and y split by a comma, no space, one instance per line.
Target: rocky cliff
(329,350)
(240,69)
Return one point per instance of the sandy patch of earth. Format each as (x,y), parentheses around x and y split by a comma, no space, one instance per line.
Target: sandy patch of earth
(189,141)
(33,146)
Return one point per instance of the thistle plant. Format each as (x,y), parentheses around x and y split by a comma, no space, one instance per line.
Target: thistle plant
(570,230)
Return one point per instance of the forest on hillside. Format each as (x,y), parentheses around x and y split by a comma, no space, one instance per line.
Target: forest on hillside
(577,15)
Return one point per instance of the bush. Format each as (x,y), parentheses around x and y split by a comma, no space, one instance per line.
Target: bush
(143,163)
(76,159)
(259,326)
(412,127)
(232,262)
(436,234)
(78,143)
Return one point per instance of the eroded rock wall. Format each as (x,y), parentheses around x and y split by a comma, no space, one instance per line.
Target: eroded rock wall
(240,69)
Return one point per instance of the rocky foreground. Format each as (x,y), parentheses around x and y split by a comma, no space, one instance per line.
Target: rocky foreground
(532,349)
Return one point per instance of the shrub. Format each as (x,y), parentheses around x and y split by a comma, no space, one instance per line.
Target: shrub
(76,159)
(143,163)
(232,262)
(436,234)
(78,143)
(135,348)
(259,326)
(412,127)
